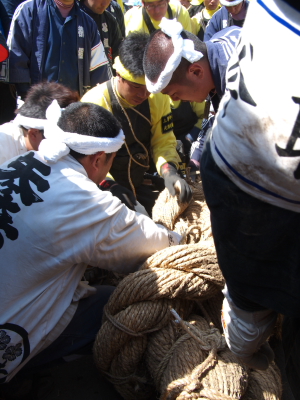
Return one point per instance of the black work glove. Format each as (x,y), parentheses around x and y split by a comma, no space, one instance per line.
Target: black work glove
(125,195)
(174,182)
(156,180)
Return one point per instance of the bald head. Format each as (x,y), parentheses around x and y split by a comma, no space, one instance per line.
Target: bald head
(190,81)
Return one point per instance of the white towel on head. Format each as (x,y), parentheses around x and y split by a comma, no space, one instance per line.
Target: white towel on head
(58,143)
(28,123)
(182,48)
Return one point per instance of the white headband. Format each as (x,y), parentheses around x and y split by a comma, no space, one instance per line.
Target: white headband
(230,3)
(28,123)
(182,48)
(58,143)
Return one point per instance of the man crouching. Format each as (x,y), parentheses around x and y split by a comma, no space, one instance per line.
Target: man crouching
(54,222)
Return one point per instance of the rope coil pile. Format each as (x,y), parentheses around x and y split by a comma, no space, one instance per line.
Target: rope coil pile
(162,333)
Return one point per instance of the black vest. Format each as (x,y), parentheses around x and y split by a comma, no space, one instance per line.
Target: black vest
(142,130)
(184,118)
(193,10)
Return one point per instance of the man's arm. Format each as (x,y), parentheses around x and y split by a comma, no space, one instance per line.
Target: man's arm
(163,147)
(214,25)
(118,229)
(163,140)
(100,70)
(115,35)
(20,44)
(116,11)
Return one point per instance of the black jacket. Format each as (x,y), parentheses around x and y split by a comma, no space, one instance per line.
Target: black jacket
(109,31)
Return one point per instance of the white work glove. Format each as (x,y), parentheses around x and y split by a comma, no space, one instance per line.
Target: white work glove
(246,333)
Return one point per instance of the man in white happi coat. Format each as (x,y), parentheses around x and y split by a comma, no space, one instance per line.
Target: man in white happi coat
(54,222)
(21,135)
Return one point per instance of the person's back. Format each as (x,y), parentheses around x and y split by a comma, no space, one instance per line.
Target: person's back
(56,221)
(250,175)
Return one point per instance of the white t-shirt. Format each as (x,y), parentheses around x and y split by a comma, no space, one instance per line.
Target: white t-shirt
(54,222)
(255,138)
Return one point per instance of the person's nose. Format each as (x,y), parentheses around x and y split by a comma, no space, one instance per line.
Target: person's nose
(143,93)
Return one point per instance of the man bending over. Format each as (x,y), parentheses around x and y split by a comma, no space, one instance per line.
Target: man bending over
(54,222)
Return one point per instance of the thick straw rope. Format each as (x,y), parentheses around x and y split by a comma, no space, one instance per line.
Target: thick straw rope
(162,331)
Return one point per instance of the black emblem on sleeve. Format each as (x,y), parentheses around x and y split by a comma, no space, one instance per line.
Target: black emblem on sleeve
(240,91)
(289,150)
(167,123)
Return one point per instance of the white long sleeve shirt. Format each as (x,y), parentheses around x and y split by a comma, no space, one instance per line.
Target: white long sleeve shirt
(54,221)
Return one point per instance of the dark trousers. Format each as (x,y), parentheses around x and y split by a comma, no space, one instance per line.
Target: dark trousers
(257,244)
(259,254)
(79,335)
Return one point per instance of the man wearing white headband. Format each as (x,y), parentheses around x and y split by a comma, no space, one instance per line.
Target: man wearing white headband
(146,120)
(232,13)
(250,171)
(177,63)
(26,131)
(54,222)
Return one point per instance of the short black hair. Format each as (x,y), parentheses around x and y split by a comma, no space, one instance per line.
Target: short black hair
(131,52)
(41,95)
(160,48)
(88,119)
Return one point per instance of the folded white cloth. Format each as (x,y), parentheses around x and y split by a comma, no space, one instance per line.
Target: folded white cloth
(182,48)
(58,143)
(28,123)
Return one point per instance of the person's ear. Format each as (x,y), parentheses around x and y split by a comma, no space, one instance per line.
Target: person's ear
(196,69)
(35,136)
(97,160)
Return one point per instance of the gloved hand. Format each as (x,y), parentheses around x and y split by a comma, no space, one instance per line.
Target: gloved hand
(246,333)
(174,182)
(156,180)
(125,195)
